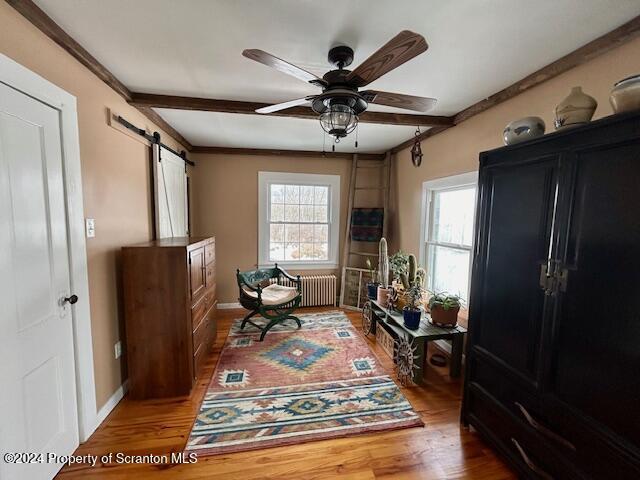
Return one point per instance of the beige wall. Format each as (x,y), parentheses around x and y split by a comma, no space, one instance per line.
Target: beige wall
(115,177)
(456,150)
(225,204)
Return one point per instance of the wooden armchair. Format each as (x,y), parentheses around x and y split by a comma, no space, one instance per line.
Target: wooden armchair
(275,302)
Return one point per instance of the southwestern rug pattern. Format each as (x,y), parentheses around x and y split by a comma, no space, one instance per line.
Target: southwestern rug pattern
(319,381)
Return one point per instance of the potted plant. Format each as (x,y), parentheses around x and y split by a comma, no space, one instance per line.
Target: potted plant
(384,289)
(444,309)
(372,285)
(412,311)
(412,275)
(399,264)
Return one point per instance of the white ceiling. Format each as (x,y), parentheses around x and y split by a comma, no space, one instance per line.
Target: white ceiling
(235,130)
(193,48)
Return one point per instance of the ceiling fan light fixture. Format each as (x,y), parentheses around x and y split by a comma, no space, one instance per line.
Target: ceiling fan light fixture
(339,120)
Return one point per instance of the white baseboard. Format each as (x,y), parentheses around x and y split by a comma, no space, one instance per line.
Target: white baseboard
(229,306)
(108,407)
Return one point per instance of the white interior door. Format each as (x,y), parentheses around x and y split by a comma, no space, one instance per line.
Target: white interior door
(172,210)
(38,410)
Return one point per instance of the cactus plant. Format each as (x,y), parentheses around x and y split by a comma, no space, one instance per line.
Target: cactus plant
(413,264)
(383,263)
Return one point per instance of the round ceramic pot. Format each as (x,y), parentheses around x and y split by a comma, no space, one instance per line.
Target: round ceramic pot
(444,318)
(577,109)
(625,96)
(372,290)
(383,295)
(523,129)
(411,318)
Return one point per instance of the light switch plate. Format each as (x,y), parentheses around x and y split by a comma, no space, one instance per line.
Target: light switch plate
(91,227)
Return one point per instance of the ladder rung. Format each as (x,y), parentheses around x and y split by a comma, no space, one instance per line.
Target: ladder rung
(371,166)
(364,254)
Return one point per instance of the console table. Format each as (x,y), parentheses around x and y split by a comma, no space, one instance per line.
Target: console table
(375,316)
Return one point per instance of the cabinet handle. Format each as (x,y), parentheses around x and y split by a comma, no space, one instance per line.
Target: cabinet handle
(532,466)
(544,430)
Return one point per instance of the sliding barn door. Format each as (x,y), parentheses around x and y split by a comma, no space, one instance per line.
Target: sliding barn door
(172,208)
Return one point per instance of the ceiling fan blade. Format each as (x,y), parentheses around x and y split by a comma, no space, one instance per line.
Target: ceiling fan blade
(284,105)
(410,102)
(400,49)
(269,60)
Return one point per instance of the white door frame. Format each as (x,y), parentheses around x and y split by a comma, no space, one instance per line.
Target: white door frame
(21,79)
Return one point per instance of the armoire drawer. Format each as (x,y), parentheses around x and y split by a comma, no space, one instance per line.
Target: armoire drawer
(596,455)
(531,453)
(500,384)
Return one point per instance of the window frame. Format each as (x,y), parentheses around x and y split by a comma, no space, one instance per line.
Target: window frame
(265,180)
(429,189)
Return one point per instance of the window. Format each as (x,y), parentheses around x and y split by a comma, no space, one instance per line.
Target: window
(447,233)
(298,219)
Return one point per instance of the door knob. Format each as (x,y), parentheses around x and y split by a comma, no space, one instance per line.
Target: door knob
(72,299)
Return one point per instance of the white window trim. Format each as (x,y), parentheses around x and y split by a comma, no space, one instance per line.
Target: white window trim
(446,183)
(265,180)
(24,80)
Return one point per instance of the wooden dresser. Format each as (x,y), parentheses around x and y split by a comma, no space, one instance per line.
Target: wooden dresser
(170,313)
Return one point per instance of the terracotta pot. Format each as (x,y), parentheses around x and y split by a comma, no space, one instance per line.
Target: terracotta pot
(625,96)
(577,109)
(402,301)
(383,295)
(523,129)
(445,318)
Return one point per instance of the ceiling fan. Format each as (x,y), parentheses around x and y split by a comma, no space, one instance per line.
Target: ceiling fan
(341,102)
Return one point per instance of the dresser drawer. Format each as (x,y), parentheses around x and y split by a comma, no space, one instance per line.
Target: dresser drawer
(200,335)
(199,358)
(198,311)
(530,453)
(210,252)
(210,275)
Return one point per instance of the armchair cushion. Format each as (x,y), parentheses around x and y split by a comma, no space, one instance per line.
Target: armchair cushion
(274,294)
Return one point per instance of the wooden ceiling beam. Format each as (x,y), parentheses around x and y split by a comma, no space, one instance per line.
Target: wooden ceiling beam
(283,153)
(249,108)
(587,52)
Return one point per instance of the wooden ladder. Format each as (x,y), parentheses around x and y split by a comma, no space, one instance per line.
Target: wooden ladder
(347,253)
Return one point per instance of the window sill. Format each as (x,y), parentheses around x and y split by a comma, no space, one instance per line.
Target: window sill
(302,266)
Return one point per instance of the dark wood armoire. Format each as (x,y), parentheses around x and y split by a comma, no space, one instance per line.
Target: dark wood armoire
(170,313)
(553,356)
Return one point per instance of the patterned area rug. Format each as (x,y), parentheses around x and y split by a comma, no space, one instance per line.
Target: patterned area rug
(320,381)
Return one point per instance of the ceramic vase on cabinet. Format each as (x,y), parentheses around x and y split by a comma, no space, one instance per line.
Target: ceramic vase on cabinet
(523,129)
(576,109)
(625,96)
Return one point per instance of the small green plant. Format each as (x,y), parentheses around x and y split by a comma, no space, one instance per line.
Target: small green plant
(414,296)
(445,301)
(399,264)
(372,271)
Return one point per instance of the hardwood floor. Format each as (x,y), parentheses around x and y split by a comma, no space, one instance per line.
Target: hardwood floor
(440,450)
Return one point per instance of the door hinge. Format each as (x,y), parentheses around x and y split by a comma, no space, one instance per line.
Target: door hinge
(553,277)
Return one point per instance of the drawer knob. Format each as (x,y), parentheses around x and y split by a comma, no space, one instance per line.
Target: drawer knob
(544,430)
(532,466)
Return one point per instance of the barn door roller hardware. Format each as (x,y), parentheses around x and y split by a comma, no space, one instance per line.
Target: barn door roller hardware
(155,138)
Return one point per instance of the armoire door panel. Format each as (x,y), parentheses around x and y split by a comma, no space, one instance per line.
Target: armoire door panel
(596,366)
(518,209)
